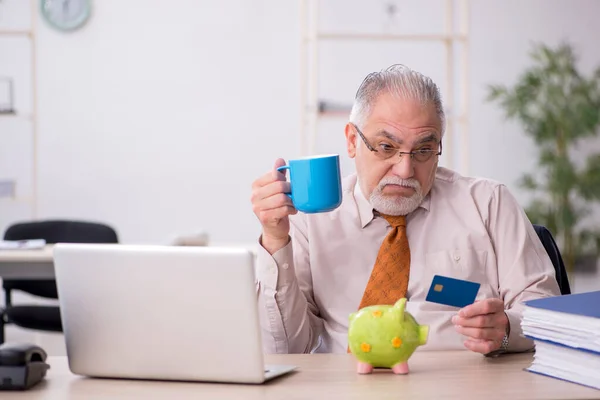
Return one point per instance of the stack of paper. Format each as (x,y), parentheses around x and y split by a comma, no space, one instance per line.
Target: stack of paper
(22,244)
(566,333)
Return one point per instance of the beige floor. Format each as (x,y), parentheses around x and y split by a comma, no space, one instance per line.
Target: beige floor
(53,343)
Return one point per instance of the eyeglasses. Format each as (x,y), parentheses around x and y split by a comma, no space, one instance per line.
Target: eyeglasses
(386,151)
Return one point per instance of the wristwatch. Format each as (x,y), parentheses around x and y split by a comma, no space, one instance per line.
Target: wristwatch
(503,346)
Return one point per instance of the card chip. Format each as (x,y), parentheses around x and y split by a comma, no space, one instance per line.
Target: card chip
(438,287)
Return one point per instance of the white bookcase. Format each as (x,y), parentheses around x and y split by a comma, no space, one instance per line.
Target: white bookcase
(18,129)
(450,40)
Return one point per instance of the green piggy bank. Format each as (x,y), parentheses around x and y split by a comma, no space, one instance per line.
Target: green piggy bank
(384,336)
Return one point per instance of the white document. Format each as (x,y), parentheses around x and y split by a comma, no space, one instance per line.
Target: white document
(22,244)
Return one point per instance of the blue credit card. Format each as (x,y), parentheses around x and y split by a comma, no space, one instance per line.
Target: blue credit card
(452,291)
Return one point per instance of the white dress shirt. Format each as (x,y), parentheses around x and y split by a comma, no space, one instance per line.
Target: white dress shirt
(466,228)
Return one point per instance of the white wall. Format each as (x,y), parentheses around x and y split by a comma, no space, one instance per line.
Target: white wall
(157,116)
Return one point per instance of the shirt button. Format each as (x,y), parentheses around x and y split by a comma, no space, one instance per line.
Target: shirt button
(285,266)
(456,257)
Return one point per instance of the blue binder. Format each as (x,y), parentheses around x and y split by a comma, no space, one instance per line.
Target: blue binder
(586,304)
(576,368)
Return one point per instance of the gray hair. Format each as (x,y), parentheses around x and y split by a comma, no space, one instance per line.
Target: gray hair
(400,81)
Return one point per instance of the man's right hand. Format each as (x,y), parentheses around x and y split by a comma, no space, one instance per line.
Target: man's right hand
(273,206)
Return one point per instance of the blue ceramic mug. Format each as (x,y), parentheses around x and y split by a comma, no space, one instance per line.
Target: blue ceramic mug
(316,184)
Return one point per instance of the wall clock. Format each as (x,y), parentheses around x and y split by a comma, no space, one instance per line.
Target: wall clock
(66,15)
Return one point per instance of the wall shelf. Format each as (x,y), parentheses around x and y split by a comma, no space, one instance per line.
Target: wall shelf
(21,200)
(333,114)
(389,37)
(26,117)
(17,32)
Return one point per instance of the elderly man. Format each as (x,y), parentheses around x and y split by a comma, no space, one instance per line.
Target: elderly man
(314,270)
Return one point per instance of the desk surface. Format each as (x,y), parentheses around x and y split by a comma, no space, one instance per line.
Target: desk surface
(434,375)
(27,264)
(27,256)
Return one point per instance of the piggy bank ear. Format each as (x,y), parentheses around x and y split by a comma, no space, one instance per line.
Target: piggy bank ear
(399,306)
(351,316)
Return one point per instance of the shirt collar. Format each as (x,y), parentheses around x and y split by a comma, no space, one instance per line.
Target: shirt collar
(366,212)
(365,209)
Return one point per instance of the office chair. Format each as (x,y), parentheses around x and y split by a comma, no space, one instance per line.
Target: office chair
(46,318)
(557,261)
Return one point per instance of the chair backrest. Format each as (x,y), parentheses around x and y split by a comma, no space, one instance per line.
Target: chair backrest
(554,253)
(55,231)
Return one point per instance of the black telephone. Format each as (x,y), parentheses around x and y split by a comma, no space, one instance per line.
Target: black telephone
(22,366)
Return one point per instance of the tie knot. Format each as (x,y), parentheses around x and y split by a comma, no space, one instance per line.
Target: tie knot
(395,220)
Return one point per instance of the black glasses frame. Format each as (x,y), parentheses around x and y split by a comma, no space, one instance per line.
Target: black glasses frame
(400,153)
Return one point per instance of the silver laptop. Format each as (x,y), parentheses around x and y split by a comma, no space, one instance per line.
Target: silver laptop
(161,313)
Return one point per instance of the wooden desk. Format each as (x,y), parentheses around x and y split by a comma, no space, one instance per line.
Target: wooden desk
(434,375)
(27,264)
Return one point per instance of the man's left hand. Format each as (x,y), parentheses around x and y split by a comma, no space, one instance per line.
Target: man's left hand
(484,323)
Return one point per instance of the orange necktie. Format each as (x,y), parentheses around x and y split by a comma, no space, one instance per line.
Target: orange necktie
(389,279)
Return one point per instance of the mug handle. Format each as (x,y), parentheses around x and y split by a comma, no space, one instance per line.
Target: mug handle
(281,169)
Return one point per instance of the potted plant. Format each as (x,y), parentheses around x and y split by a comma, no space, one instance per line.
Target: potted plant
(559,108)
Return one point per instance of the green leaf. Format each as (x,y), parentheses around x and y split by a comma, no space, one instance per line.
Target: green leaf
(566,216)
(540,212)
(588,242)
(496,92)
(527,181)
(557,106)
(588,184)
(548,157)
